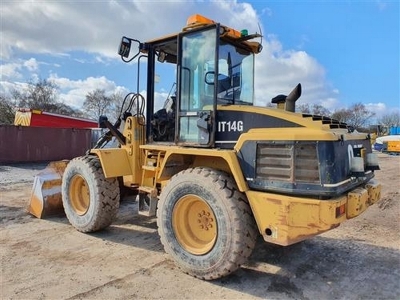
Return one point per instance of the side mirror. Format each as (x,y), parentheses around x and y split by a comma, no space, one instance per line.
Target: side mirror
(209,77)
(125,47)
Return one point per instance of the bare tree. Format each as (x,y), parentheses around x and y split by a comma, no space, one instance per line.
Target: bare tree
(361,115)
(390,120)
(7,111)
(342,115)
(304,108)
(97,104)
(117,101)
(315,109)
(42,95)
(318,109)
(66,110)
(357,115)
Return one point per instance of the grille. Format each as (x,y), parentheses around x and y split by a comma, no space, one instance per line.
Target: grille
(287,162)
(326,121)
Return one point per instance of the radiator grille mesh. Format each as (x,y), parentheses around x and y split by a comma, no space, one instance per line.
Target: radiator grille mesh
(287,162)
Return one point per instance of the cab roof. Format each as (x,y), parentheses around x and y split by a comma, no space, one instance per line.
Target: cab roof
(168,43)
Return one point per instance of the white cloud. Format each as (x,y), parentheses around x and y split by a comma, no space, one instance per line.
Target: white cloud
(7,87)
(31,64)
(379,109)
(278,71)
(17,70)
(237,15)
(11,70)
(267,11)
(159,100)
(95,27)
(73,92)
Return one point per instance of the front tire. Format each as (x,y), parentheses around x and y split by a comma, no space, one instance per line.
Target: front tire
(205,223)
(90,200)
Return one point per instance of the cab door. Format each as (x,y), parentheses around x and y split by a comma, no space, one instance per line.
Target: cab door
(196,96)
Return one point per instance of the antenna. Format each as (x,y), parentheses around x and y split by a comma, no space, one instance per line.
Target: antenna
(259,27)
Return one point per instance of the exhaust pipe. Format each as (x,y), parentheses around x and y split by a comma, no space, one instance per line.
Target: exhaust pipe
(292,98)
(288,102)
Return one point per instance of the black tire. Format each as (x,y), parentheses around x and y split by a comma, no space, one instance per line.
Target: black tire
(90,200)
(235,231)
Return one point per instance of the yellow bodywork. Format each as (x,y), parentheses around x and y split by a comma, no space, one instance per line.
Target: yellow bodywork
(182,158)
(282,220)
(286,220)
(115,162)
(392,146)
(127,160)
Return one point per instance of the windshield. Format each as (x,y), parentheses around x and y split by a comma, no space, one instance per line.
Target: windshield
(235,78)
(235,75)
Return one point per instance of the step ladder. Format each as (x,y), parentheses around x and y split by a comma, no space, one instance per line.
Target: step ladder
(148,191)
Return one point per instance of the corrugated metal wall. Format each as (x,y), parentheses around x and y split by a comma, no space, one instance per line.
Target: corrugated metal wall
(33,144)
(394,131)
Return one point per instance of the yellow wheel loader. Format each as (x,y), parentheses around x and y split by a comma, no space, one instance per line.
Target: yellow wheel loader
(215,169)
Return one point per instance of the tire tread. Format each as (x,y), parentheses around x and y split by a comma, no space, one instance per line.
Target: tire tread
(245,233)
(107,193)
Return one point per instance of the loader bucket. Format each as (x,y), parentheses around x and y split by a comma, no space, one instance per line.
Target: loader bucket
(46,191)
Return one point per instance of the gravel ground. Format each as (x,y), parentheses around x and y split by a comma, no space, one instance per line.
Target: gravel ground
(18,174)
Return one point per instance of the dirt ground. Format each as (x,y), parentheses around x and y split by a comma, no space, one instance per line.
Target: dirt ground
(49,259)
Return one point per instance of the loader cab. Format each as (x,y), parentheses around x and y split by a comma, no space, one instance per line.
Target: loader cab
(211,71)
(209,65)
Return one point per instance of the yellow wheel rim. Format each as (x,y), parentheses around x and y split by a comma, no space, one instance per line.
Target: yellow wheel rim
(194,224)
(79,194)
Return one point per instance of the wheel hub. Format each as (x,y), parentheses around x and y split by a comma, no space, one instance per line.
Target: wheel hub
(194,224)
(79,195)
(205,220)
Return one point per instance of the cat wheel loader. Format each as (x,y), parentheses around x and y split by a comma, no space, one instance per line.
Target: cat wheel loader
(215,170)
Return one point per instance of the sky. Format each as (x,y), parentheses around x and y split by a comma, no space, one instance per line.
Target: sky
(342,52)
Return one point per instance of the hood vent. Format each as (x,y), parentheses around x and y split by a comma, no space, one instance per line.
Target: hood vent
(333,124)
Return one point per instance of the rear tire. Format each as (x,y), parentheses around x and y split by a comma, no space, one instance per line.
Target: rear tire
(90,200)
(205,223)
